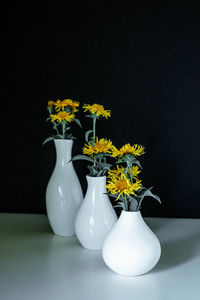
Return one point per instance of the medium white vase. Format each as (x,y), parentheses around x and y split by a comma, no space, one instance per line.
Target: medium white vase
(64,193)
(96,215)
(131,248)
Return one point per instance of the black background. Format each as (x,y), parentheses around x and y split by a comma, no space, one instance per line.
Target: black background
(138,58)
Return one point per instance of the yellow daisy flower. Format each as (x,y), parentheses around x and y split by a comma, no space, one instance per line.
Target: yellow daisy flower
(117,172)
(71,104)
(135,171)
(97,109)
(50,103)
(60,105)
(100,146)
(123,186)
(62,116)
(136,150)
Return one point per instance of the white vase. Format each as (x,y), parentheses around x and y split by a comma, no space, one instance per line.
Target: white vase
(96,215)
(131,248)
(64,193)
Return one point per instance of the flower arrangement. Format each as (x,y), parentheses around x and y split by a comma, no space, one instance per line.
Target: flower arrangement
(124,183)
(62,114)
(96,150)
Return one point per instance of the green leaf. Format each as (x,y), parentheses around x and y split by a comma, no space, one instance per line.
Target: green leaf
(77,121)
(82,157)
(100,173)
(59,136)
(147,193)
(48,140)
(136,162)
(133,203)
(103,165)
(93,171)
(121,204)
(115,196)
(87,134)
(89,116)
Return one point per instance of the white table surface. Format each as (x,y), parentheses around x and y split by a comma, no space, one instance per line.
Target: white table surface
(37,265)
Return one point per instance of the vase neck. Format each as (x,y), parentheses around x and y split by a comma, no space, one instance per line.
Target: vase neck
(97,183)
(63,151)
(132,218)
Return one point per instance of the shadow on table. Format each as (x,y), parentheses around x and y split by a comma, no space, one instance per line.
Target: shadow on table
(156,224)
(177,252)
(21,225)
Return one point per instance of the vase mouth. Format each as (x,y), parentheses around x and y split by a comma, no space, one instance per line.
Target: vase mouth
(128,212)
(95,177)
(61,140)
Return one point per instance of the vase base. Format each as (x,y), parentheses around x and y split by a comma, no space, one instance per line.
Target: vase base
(91,248)
(64,235)
(130,275)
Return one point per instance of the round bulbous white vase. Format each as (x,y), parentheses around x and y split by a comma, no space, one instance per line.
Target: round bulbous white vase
(131,248)
(64,193)
(96,216)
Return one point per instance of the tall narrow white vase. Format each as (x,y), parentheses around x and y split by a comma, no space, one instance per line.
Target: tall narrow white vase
(96,215)
(131,248)
(63,194)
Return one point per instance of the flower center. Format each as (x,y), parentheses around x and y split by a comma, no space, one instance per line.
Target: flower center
(122,184)
(62,114)
(99,147)
(98,107)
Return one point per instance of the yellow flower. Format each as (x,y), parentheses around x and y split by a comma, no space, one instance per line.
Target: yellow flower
(136,150)
(71,104)
(123,186)
(50,103)
(97,109)
(135,171)
(117,172)
(62,116)
(100,146)
(60,105)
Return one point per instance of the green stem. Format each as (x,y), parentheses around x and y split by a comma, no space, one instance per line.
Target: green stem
(63,129)
(128,166)
(100,162)
(126,203)
(55,127)
(130,174)
(95,161)
(94,129)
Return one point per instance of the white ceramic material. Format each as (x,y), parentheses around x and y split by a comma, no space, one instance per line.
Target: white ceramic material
(63,194)
(131,248)
(96,215)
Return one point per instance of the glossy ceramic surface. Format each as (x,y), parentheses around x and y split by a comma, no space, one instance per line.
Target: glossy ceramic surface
(131,248)
(96,215)
(64,194)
